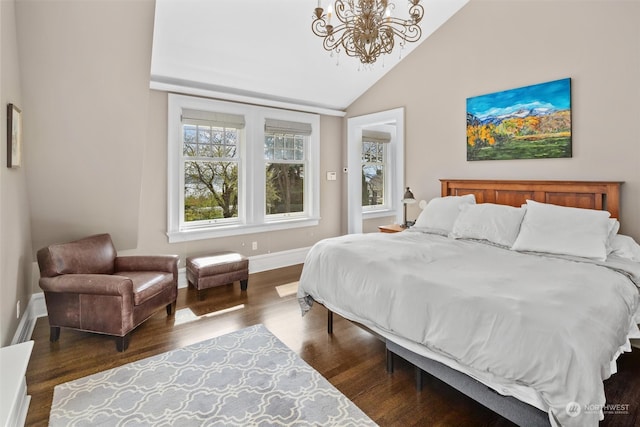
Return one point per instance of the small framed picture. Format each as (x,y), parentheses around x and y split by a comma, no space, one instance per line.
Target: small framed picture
(14,136)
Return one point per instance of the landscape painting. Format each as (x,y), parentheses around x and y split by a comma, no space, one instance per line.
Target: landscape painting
(530,122)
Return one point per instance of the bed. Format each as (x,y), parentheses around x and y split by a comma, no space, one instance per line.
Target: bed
(502,286)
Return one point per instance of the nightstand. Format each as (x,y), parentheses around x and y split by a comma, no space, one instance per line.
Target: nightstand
(391,228)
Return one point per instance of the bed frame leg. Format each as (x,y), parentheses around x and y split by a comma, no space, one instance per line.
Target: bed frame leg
(389,361)
(418,378)
(329,322)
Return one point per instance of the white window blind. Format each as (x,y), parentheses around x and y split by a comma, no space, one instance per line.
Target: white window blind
(375,136)
(212,118)
(287,127)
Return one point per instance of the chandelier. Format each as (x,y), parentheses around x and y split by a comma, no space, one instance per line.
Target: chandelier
(365,28)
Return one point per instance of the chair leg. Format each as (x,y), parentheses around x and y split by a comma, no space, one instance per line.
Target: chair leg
(201,293)
(329,322)
(122,343)
(54,333)
(389,361)
(171,308)
(244,284)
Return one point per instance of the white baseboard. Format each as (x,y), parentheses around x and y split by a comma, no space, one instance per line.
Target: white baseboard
(258,263)
(275,260)
(36,308)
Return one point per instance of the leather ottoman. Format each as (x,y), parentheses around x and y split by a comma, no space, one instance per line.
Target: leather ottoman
(221,268)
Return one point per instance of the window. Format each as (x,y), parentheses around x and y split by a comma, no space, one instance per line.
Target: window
(211,158)
(216,152)
(284,153)
(375,179)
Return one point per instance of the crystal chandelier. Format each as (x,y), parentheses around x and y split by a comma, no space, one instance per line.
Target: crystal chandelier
(365,28)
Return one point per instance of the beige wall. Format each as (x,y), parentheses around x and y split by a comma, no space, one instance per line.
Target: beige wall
(98,135)
(15,236)
(85,68)
(495,45)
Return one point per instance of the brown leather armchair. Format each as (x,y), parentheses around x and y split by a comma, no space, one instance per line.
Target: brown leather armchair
(88,287)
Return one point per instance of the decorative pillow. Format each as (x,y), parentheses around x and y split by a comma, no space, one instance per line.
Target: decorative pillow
(441,212)
(565,231)
(625,247)
(497,224)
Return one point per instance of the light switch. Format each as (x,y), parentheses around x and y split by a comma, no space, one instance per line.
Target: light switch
(331,176)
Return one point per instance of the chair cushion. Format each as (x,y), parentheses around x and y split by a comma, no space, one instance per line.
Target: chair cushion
(147,284)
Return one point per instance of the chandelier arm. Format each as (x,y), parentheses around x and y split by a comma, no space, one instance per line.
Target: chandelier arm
(319,27)
(388,38)
(350,47)
(342,13)
(338,38)
(416,13)
(410,34)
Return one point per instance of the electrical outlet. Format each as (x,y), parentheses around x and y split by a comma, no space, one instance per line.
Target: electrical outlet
(18,309)
(254,246)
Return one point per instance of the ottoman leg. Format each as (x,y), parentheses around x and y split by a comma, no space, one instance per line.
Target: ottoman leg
(244,284)
(200,294)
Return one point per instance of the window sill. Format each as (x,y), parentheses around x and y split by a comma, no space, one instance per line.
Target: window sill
(238,229)
(378,213)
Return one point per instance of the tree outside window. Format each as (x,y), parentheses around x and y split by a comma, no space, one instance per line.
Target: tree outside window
(210,172)
(284,168)
(373,173)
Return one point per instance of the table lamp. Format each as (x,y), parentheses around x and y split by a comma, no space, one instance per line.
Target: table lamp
(407,200)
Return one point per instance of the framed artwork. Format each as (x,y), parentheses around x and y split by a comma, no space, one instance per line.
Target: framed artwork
(531,122)
(14,136)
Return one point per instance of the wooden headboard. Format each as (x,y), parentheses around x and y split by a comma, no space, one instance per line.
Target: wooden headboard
(579,194)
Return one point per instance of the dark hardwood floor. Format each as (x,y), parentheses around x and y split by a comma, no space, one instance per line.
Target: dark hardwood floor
(352,359)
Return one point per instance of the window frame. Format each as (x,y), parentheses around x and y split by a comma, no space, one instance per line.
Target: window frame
(252,216)
(355,127)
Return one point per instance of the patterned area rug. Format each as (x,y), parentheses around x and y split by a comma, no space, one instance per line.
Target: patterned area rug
(245,378)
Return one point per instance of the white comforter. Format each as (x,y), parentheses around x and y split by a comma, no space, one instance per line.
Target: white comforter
(550,323)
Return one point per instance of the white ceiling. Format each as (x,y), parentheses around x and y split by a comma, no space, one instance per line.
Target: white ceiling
(265,49)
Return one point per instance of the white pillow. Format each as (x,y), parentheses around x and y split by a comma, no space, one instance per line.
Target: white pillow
(498,224)
(441,212)
(565,231)
(625,247)
(614,226)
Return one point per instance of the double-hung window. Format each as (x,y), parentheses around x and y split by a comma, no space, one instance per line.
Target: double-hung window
(285,165)
(211,161)
(376,174)
(237,169)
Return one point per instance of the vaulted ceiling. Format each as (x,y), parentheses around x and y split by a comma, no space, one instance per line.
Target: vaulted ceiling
(265,49)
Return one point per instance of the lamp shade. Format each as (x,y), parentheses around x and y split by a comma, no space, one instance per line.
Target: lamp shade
(408,197)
